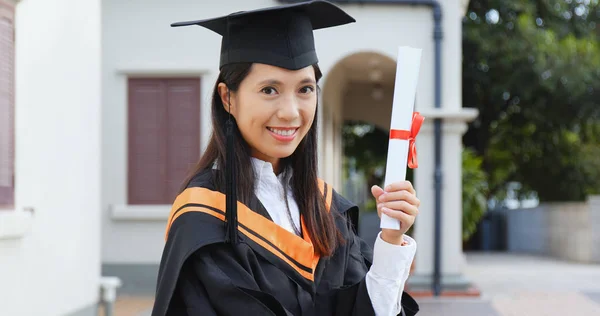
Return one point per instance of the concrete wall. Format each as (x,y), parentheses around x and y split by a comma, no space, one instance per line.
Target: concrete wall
(594,204)
(53,268)
(562,230)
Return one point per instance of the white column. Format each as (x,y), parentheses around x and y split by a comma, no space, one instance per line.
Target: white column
(327,141)
(337,125)
(452,258)
(330,128)
(320,135)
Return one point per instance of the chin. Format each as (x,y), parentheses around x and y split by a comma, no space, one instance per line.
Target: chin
(282,151)
(280,154)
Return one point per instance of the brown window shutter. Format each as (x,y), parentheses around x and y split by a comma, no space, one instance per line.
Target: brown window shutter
(7,104)
(183,145)
(164,137)
(147,141)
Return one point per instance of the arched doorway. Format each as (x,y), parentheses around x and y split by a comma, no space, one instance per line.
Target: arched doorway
(357,94)
(357,104)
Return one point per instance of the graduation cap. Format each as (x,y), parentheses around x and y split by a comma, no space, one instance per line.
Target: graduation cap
(280,36)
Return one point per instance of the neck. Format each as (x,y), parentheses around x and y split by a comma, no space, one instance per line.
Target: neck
(275,162)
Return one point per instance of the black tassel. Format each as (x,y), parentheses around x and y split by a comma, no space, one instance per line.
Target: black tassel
(231,235)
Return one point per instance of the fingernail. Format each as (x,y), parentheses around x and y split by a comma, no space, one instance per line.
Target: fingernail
(379,205)
(385,209)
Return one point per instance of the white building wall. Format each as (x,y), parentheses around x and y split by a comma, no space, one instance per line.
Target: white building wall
(54,268)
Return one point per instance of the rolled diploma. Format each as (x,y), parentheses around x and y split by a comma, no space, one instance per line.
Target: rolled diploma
(405,89)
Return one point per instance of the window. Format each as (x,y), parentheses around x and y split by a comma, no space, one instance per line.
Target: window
(164,137)
(7,105)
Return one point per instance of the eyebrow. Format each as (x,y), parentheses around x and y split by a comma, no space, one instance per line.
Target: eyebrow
(277,82)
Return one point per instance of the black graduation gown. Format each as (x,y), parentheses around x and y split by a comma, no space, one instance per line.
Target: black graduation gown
(271,271)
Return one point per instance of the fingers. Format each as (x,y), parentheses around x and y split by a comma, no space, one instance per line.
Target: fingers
(376,191)
(399,186)
(402,206)
(406,219)
(402,195)
(400,198)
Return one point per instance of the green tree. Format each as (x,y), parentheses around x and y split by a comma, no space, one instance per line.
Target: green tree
(532,68)
(474,192)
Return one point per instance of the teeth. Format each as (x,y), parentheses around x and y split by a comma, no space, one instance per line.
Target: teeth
(288,132)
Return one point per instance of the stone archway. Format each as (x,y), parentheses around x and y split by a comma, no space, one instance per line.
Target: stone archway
(358,87)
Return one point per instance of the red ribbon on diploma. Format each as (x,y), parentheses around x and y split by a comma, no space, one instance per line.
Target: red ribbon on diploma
(417,121)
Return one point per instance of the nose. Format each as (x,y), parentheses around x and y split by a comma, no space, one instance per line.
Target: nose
(289,109)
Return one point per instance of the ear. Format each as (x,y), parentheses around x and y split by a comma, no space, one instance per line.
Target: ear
(225,95)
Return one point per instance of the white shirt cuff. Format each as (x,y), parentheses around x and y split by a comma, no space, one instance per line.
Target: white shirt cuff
(391,261)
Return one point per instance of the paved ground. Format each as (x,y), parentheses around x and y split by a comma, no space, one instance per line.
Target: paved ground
(523,285)
(511,285)
(131,306)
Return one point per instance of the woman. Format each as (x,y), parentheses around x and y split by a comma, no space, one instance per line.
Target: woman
(254,231)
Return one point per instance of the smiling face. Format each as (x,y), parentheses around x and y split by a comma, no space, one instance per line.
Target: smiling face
(274,109)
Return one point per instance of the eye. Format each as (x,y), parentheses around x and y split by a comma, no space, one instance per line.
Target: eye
(268,90)
(307,89)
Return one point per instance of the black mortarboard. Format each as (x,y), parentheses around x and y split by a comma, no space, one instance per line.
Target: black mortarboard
(280,36)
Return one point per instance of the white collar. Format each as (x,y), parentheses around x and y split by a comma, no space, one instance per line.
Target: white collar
(263,170)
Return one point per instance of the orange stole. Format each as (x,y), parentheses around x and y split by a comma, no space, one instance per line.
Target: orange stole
(250,223)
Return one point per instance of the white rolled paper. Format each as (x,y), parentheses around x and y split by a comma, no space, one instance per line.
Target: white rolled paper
(405,89)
